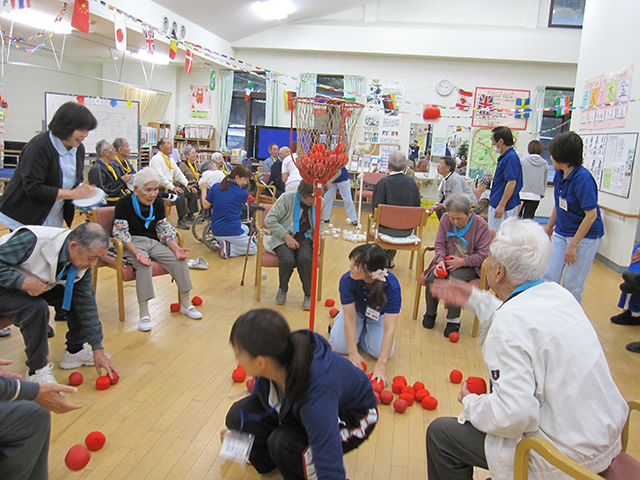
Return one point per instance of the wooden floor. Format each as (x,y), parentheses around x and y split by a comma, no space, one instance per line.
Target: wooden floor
(162,419)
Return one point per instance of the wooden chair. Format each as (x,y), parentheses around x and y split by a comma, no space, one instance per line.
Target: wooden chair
(267,259)
(370,180)
(402,218)
(261,186)
(124,271)
(623,467)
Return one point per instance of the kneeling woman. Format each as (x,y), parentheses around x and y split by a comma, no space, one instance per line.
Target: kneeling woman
(308,406)
(140,224)
(371,300)
(227,199)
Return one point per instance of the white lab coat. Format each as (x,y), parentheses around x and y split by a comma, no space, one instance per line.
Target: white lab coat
(550,379)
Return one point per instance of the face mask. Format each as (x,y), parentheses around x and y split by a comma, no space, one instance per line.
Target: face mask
(496,148)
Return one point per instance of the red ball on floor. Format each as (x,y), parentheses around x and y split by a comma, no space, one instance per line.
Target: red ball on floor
(115,378)
(400,405)
(377,387)
(409,389)
(476,385)
(95,441)
(420,394)
(250,384)
(386,397)
(417,386)
(329,303)
(196,301)
(455,376)
(333,312)
(175,307)
(429,403)
(397,388)
(75,379)
(454,337)
(103,382)
(400,379)
(407,397)
(77,457)
(239,375)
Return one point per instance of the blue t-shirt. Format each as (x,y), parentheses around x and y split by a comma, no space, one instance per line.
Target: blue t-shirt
(580,192)
(509,168)
(226,209)
(344,176)
(635,266)
(355,291)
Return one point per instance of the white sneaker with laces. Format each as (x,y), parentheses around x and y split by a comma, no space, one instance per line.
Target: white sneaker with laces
(191,312)
(144,325)
(82,358)
(43,375)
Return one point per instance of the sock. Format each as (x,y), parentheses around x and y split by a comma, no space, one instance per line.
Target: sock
(73,349)
(635,314)
(453,320)
(185,299)
(143,307)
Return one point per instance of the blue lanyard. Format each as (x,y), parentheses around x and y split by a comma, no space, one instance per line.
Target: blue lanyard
(296,216)
(68,286)
(136,208)
(462,232)
(523,287)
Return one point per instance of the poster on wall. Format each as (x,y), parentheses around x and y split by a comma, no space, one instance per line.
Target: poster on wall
(593,155)
(383,121)
(599,92)
(199,101)
(482,157)
(495,107)
(458,140)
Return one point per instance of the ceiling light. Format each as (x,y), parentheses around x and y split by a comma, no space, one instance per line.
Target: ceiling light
(273,9)
(156,58)
(39,20)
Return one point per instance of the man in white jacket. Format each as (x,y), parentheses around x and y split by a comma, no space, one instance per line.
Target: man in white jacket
(549,376)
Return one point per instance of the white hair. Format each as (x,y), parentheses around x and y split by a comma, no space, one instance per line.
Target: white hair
(397,161)
(145,176)
(523,248)
(458,203)
(217,156)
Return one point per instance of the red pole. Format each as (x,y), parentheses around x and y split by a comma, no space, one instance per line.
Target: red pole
(316,249)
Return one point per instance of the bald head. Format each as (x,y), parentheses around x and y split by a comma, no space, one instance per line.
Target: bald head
(284,153)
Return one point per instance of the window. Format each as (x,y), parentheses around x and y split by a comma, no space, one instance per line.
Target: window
(335,81)
(552,124)
(246,114)
(566,13)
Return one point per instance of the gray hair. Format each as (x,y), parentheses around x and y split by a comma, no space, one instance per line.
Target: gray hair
(145,176)
(187,150)
(206,165)
(217,156)
(90,236)
(458,203)
(397,161)
(118,143)
(523,248)
(100,146)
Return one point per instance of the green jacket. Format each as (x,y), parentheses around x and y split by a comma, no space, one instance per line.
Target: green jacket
(284,218)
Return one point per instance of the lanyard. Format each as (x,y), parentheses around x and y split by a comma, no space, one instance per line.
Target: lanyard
(166,160)
(461,233)
(113,172)
(523,287)
(296,216)
(195,173)
(136,208)
(125,166)
(68,286)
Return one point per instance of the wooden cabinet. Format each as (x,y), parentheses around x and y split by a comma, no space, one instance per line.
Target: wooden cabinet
(200,144)
(164,129)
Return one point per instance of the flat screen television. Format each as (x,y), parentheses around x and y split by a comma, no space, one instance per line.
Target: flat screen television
(265,136)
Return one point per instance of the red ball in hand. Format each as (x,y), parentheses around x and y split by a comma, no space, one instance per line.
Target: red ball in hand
(175,307)
(420,394)
(407,397)
(250,384)
(95,441)
(333,312)
(329,302)
(386,397)
(454,337)
(239,375)
(364,366)
(455,376)
(441,273)
(429,403)
(77,457)
(378,387)
(196,301)
(476,385)
(418,386)
(75,379)
(409,390)
(400,405)
(115,378)
(103,382)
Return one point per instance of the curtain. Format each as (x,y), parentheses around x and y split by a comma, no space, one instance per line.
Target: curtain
(354,83)
(152,104)
(537,114)
(272,110)
(308,85)
(226,96)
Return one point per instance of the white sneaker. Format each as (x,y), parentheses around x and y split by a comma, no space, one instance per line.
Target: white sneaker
(191,312)
(83,358)
(5,332)
(144,325)
(44,375)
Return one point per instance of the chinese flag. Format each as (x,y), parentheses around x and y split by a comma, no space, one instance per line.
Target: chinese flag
(80,19)
(173,48)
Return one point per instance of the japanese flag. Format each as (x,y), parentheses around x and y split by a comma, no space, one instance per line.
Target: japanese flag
(120,27)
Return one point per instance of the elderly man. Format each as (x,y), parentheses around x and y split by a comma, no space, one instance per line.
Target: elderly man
(170,177)
(103,175)
(275,178)
(454,184)
(122,165)
(273,158)
(42,266)
(210,175)
(395,189)
(549,375)
(507,181)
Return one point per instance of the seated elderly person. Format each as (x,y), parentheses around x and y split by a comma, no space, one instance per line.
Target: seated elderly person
(141,225)
(220,162)
(454,184)
(549,375)
(462,244)
(103,174)
(188,166)
(210,176)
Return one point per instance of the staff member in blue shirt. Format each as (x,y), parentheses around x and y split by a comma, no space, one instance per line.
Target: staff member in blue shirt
(507,182)
(576,216)
(371,299)
(342,182)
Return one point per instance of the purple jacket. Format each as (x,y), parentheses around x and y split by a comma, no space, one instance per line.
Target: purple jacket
(478,236)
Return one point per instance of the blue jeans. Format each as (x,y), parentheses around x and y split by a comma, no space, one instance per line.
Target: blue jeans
(494,223)
(345,193)
(576,274)
(369,335)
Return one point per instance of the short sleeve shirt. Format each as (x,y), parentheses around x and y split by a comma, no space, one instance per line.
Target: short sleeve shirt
(356,291)
(573,196)
(509,168)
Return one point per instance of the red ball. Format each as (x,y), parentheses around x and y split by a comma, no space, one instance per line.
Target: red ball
(175,307)
(455,376)
(454,337)
(250,384)
(378,387)
(377,396)
(449,257)
(329,303)
(431,113)
(75,379)
(239,375)
(95,441)
(386,397)
(407,397)
(400,379)
(115,378)
(370,375)
(418,386)
(441,273)
(397,388)
(476,385)
(400,405)
(420,394)
(77,457)
(364,366)
(429,403)
(196,301)
(333,312)
(409,390)
(103,382)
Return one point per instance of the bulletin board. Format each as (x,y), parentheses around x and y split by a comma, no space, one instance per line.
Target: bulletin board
(116,118)
(495,107)
(610,158)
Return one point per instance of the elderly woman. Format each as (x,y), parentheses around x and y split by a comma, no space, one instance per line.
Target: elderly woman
(188,166)
(548,371)
(218,158)
(462,244)
(291,221)
(209,176)
(141,225)
(575,216)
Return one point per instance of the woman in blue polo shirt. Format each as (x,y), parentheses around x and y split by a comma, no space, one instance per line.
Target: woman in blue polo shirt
(371,301)
(341,182)
(576,216)
(227,199)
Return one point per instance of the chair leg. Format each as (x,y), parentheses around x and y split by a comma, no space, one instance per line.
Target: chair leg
(120,287)
(476,327)
(416,301)
(411,259)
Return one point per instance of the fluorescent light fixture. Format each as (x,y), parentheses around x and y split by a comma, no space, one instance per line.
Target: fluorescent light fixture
(36,19)
(156,58)
(273,9)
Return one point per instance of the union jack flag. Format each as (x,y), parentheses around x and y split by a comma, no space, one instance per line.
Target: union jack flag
(151,45)
(485,102)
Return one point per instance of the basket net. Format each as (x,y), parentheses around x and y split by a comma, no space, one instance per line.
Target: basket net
(325,129)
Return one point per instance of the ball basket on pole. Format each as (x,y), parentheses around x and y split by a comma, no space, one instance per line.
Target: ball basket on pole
(324,130)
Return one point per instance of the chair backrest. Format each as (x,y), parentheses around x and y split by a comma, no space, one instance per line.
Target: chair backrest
(104,216)
(402,218)
(262,214)
(373,178)
(265,177)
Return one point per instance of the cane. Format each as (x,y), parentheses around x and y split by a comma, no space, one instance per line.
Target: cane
(254,207)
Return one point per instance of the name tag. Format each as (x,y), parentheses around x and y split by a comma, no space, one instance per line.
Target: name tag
(372,314)
(562,203)
(236,446)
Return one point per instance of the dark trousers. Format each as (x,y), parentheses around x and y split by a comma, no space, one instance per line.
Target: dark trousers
(301,258)
(187,203)
(31,316)
(529,208)
(282,444)
(453,449)
(24,440)
(466,274)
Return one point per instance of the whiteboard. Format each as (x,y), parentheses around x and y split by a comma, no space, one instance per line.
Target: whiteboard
(116,118)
